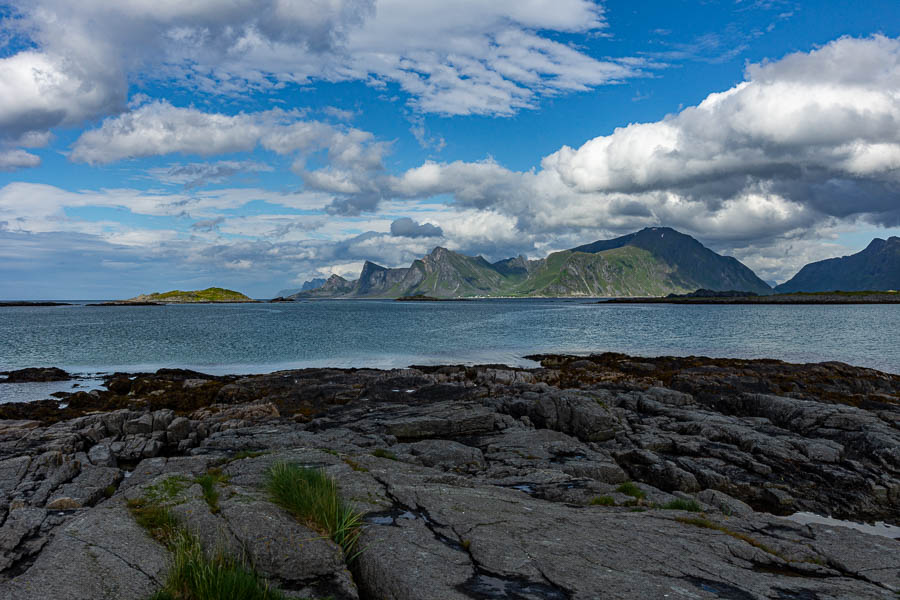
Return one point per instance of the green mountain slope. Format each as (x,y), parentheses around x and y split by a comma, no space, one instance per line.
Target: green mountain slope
(693,265)
(626,271)
(875,268)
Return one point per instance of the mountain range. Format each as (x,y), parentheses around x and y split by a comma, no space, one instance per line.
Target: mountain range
(875,268)
(651,262)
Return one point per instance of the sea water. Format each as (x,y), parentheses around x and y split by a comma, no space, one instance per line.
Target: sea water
(254,338)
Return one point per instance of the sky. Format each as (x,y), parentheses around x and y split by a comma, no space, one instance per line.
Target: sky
(148,145)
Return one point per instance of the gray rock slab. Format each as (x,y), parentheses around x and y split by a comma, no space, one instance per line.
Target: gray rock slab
(447,455)
(277,545)
(561,551)
(151,468)
(101,555)
(404,560)
(19,525)
(89,486)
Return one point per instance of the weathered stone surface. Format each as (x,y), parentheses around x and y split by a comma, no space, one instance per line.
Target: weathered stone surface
(90,486)
(447,454)
(21,524)
(724,503)
(100,555)
(505,483)
(280,546)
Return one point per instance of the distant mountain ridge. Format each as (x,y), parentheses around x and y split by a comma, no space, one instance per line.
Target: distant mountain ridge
(307,285)
(877,267)
(651,262)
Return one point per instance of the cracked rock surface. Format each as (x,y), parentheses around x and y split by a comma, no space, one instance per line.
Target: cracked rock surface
(475,482)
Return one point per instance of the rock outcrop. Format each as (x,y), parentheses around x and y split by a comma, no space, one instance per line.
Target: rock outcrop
(605,476)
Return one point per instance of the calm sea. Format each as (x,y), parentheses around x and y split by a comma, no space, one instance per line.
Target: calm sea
(255,338)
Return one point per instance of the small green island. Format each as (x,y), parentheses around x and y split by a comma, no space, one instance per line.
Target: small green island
(207,296)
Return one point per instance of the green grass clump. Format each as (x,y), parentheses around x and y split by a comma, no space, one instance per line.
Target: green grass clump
(196,576)
(707,524)
(602,501)
(382,453)
(208,483)
(312,497)
(157,520)
(629,488)
(681,504)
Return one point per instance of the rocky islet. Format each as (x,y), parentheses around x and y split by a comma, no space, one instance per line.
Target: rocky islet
(609,476)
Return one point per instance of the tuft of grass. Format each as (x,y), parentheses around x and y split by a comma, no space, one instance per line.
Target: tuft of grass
(355,465)
(157,520)
(682,504)
(382,453)
(311,496)
(629,488)
(707,524)
(602,501)
(196,576)
(109,491)
(208,483)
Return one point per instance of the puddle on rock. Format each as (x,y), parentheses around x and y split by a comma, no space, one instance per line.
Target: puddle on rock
(561,459)
(880,528)
(484,586)
(390,517)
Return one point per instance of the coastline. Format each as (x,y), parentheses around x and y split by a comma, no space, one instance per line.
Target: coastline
(454,467)
(823,298)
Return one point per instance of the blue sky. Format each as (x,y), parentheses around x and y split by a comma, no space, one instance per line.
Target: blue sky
(153,145)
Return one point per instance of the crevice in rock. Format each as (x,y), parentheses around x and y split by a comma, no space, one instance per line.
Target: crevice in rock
(119,557)
(323,586)
(799,594)
(422,513)
(723,590)
(21,565)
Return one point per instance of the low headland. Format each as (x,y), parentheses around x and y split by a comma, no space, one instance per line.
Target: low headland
(590,476)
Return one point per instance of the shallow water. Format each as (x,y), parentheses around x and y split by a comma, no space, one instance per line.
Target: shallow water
(25,392)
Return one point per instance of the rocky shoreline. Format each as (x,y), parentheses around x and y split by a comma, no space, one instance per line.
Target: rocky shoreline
(605,476)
